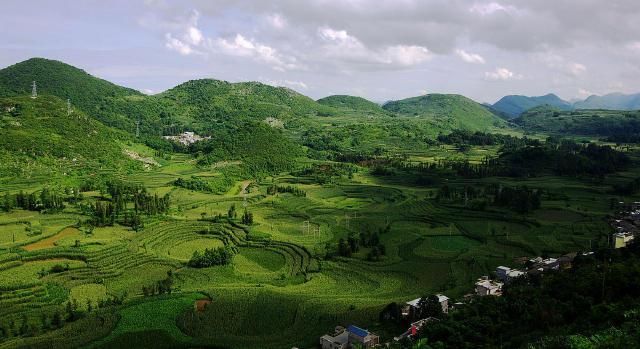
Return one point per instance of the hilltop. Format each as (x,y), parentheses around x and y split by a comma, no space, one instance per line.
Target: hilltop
(59,79)
(514,105)
(352,103)
(613,101)
(450,110)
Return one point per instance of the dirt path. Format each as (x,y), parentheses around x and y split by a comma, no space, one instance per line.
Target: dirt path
(51,241)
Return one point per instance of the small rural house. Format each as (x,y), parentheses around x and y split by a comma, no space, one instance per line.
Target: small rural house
(506,274)
(412,306)
(345,338)
(622,239)
(486,287)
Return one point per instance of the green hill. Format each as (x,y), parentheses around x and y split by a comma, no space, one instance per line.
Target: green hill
(613,101)
(37,137)
(58,79)
(352,103)
(515,105)
(449,110)
(597,122)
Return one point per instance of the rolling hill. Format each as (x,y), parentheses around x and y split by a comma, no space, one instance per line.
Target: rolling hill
(352,103)
(514,105)
(585,122)
(58,79)
(449,110)
(612,101)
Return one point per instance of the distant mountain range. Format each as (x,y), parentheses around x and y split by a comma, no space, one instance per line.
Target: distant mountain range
(514,105)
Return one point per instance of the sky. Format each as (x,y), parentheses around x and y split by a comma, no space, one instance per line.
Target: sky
(378,49)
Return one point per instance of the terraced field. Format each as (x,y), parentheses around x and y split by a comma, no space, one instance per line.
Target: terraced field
(285,280)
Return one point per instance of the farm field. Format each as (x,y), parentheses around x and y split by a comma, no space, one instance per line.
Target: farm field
(281,281)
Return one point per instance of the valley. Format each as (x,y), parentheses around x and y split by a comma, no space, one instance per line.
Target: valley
(285,217)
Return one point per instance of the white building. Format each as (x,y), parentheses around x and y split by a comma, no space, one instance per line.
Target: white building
(622,239)
(486,287)
(414,304)
(506,274)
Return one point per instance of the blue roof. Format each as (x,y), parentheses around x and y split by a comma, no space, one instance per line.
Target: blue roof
(357,331)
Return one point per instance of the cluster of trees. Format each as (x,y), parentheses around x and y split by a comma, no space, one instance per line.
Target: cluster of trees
(465,137)
(327,172)
(627,188)
(247,217)
(347,247)
(70,312)
(519,199)
(211,257)
(274,189)
(118,207)
(194,183)
(596,303)
(160,287)
(564,158)
(46,200)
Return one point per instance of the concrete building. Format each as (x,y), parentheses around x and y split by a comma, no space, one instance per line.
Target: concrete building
(506,274)
(622,239)
(362,337)
(345,338)
(339,339)
(486,287)
(414,304)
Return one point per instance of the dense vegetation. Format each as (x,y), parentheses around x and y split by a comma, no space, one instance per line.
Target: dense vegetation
(454,111)
(593,305)
(295,216)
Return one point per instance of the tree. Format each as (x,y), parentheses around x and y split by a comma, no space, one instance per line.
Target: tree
(232,212)
(429,307)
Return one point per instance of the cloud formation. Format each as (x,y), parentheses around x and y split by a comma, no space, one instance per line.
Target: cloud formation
(381,49)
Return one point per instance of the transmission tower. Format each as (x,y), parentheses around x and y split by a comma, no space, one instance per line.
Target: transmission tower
(137,128)
(69,109)
(34,90)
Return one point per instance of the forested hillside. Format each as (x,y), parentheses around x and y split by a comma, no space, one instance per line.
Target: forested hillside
(39,137)
(454,111)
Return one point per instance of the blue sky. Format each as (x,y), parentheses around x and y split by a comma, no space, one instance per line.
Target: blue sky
(381,50)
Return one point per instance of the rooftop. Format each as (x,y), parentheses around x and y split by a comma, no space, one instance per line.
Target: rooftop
(357,331)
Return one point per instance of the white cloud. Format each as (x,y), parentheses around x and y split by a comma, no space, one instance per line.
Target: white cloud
(584,93)
(490,8)
(406,55)
(470,57)
(576,69)
(501,74)
(341,45)
(189,37)
(287,83)
(243,47)
(177,45)
(277,21)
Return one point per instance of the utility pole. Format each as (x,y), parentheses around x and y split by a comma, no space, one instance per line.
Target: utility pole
(34,91)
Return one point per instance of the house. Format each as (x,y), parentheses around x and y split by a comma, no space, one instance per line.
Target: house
(566,261)
(506,274)
(622,239)
(415,328)
(486,287)
(339,339)
(362,337)
(413,305)
(345,338)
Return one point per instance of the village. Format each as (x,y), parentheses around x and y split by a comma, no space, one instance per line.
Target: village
(626,226)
